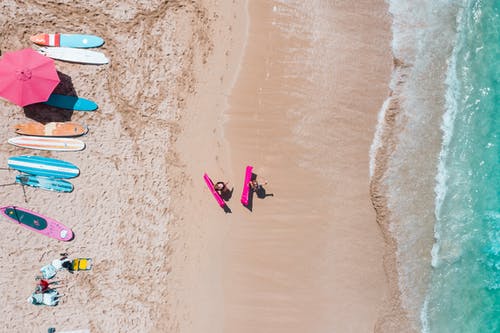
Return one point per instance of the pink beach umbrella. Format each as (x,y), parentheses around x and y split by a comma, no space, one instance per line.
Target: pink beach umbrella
(27,77)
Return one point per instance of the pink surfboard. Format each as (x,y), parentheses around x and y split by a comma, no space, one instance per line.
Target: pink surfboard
(36,222)
(246,188)
(216,195)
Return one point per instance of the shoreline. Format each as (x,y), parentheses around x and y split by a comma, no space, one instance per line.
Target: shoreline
(393,318)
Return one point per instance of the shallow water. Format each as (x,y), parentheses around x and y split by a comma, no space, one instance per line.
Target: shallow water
(442,176)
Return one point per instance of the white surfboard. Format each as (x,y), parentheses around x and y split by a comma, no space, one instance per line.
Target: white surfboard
(74,55)
(47,143)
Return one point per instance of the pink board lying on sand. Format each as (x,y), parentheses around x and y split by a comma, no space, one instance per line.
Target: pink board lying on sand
(246,188)
(216,195)
(38,223)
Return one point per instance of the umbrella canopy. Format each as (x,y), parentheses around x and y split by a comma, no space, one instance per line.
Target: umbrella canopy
(27,77)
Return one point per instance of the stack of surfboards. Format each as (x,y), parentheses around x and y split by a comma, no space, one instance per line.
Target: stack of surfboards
(71,47)
(43,172)
(55,136)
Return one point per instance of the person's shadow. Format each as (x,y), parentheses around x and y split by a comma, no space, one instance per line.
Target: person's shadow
(44,113)
(226,196)
(262,194)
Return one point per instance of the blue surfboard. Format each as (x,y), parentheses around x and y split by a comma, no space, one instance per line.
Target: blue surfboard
(68,40)
(83,41)
(71,103)
(46,183)
(43,166)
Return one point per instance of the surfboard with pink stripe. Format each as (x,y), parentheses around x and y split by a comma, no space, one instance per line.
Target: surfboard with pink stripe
(68,40)
(47,143)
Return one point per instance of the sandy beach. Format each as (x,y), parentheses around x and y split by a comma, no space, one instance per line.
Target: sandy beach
(292,89)
(309,258)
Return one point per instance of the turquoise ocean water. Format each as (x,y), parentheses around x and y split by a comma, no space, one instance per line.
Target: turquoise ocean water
(464,289)
(443,178)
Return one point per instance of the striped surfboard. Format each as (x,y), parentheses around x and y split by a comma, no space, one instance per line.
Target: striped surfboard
(68,40)
(46,183)
(47,143)
(43,166)
(50,129)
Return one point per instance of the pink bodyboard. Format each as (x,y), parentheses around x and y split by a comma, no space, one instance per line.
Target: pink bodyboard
(246,187)
(216,195)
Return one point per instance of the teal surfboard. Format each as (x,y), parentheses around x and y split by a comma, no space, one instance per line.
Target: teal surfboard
(68,40)
(46,183)
(71,103)
(43,166)
(75,40)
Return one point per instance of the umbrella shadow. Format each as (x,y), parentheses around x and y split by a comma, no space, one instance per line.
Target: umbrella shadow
(44,113)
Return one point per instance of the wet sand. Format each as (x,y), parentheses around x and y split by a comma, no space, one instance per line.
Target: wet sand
(303,112)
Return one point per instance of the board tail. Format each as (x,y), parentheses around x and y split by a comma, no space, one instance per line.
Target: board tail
(246,185)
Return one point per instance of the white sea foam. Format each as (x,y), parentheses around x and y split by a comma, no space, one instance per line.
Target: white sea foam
(377,139)
(447,129)
(423,40)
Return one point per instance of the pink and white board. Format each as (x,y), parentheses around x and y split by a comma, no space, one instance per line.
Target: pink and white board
(37,222)
(246,187)
(216,195)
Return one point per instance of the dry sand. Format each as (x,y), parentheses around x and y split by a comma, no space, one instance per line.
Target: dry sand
(195,87)
(120,209)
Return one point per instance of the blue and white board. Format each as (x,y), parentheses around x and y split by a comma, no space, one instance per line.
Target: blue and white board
(43,166)
(71,103)
(46,183)
(68,40)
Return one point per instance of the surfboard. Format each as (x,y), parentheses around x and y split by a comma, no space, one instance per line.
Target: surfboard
(67,40)
(38,223)
(58,129)
(43,166)
(45,183)
(216,195)
(71,103)
(246,187)
(47,143)
(74,55)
